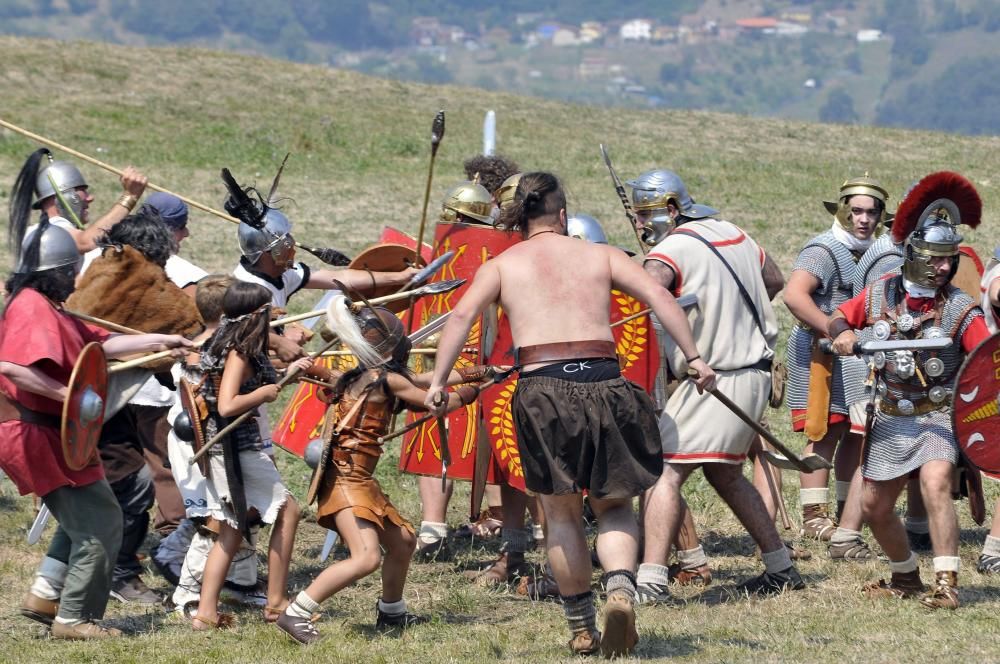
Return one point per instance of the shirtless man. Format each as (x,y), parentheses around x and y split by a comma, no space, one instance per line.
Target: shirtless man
(579,424)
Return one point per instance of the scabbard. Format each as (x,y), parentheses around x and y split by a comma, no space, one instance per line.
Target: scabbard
(818,401)
(234,481)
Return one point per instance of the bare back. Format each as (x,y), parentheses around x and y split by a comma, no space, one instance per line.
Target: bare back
(555,288)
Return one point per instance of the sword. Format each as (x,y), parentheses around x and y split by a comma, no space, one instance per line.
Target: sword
(440,399)
(426,273)
(331,541)
(38,527)
(889,345)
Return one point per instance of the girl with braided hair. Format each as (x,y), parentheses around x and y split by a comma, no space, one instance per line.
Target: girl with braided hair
(242,482)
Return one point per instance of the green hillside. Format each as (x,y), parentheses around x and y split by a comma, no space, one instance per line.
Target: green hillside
(360,149)
(360,145)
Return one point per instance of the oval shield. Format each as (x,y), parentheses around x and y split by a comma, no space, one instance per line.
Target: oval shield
(976,412)
(83,410)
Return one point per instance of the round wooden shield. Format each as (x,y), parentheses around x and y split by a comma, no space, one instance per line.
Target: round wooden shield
(970,271)
(197,412)
(83,410)
(976,410)
(386,258)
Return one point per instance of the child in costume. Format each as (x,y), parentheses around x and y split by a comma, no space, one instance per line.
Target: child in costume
(349,498)
(242,481)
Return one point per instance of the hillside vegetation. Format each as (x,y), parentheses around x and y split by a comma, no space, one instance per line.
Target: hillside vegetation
(360,149)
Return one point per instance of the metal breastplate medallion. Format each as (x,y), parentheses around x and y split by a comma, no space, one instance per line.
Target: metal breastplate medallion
(879,359)
(934,367)
(938,394)
(881,329)
(905,406)
(904,323)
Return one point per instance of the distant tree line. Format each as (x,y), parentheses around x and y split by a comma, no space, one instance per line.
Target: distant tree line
(960,100)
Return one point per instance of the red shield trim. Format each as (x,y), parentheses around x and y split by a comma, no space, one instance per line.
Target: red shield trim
(83,410)
(976,412)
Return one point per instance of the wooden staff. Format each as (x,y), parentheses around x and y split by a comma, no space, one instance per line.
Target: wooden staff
(106,324)
(289,377)
(328,256)
(779,500)
(111,169)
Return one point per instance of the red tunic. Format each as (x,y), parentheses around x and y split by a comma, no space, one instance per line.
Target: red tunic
(34,333)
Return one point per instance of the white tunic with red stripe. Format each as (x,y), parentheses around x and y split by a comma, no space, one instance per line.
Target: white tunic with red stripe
(698,428)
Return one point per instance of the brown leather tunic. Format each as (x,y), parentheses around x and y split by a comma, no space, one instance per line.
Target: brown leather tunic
(346,472)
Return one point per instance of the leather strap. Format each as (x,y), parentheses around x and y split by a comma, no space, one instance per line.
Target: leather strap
(565,350)
(12,410)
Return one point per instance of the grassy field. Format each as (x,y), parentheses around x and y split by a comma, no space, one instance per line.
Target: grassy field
(360,150)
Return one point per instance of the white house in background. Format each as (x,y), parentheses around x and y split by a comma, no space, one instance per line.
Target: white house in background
(869,35)
(638,29)
(565,37)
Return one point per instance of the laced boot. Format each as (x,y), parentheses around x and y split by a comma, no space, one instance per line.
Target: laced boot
(944,593)
(901,585)
(816,523)
(856,550)
(988,564)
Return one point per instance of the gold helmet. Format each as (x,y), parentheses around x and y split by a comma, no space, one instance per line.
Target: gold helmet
(860,186)
(504,195)
(469,199)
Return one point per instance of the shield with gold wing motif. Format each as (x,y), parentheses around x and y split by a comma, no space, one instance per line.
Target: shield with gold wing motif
(975,411)
(83,410)
(473,244)
(635,341)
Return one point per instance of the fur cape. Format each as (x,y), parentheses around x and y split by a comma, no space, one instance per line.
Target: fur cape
(123,287)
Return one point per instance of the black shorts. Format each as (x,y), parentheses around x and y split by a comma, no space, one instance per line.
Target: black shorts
(601,436)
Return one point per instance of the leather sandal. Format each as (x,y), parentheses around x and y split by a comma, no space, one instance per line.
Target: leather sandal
(272,613)
(224,621)
(902,585)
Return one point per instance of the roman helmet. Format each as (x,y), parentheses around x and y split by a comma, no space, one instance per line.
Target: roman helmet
(585,227)
(505,194)
(41,178)
(859,186)
(926,219)
(53,248)
(469,199)
(651,192)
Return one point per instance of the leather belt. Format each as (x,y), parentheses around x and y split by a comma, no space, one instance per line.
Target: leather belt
(760,365)
(920,407)
(12,410)
(565,350)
